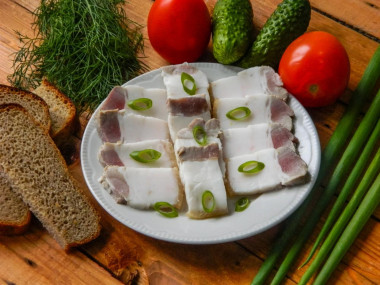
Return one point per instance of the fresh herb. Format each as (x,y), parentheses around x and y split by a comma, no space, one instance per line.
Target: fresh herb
(251,166)
(140,104)
(146,155)
(83,47)
(185,78)
(242,204)
(200,135)
(166,209)
(239,113)
(208,201)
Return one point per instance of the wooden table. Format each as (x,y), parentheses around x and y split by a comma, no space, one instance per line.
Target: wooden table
(121,255)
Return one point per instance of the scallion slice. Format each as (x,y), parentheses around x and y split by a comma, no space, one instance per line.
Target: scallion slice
(140,104)
(251,166)
(185,78)
(208,201)
(239,113)
(146,155)
(166,209)
(200,135)
(242,204)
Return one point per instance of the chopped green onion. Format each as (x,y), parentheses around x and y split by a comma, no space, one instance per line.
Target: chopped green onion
(166,209)
(242,204)
(329,157)
(239,113)
(200,135)
(185,78)
(208,201)
(146,155)
(140,104)
(251,166)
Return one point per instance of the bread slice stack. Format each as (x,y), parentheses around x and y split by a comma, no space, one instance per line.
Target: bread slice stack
(33,173)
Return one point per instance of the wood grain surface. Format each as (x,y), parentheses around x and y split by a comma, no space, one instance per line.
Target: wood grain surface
(121,255)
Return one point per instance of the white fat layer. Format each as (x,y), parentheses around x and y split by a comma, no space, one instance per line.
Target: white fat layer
(261,81)
(158,97)
(123,150)
(259,107)
(148,186)
(199,176)
(240,141)
(135,128)
(267,179)
(177,123)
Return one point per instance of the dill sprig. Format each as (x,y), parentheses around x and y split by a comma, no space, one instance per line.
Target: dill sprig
(83,47)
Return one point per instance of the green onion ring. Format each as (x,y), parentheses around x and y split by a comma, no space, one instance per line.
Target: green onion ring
(140,104)
(207,198)
(200,135)
(251,166)
(166,209)
(242,204)
(187,77)
(146,155)
(232,114)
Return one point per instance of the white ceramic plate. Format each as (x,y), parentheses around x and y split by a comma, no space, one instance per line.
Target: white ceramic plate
(264,212)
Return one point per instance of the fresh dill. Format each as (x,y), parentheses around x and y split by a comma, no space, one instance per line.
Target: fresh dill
(83,47)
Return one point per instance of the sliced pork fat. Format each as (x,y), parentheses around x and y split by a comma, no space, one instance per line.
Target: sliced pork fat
(240,141)
(259,80)
(119,97)
(119,154)
(143,187)
(282,167)
(188,106)
(120,126)
(267,109)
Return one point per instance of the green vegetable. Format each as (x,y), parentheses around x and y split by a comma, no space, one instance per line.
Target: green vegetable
(238,114)
(347,188)
(83,47)
(232,29)
(288,22)
(146,155)
(251,166)
(140,104)
(242,204)
(344,218)
(364,212)
(329,157)
(200,135)
(208,201)
(342,169)
(185,78)
(166,209)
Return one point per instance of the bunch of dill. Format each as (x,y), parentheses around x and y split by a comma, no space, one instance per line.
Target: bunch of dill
(83,47)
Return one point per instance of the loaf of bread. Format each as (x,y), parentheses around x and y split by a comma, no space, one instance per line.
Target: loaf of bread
(62,111)
(38,173)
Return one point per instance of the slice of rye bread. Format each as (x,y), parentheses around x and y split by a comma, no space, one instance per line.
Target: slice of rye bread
(38,173)
(14,213)
(62,111)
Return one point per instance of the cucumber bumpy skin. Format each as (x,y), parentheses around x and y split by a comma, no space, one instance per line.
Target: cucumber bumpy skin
(232,29)
(289,21)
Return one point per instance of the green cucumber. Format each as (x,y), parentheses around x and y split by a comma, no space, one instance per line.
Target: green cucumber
(289,21)
(232,30)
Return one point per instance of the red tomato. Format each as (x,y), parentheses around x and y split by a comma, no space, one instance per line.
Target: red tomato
(179,30)
(315,68)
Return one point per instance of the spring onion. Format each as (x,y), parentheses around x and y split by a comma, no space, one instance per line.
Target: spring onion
(166,209)
(341,223)
(347,188)
(186,79)
(140,104)
(330,155)
(251,166)
(208,201)
(146,155)
(239,113)
(364,212)
(200,135)
(342,169)
(242,204)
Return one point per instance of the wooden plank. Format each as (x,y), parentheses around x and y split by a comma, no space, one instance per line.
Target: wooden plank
(351,12)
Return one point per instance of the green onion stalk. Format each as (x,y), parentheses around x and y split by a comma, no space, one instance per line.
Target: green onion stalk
(336,231)
(342,169)
(330,155)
